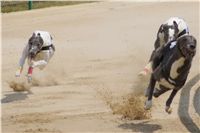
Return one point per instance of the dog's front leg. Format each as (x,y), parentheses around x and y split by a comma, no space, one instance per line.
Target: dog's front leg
(150,90)
(148,68)
(32,65)
(168,109)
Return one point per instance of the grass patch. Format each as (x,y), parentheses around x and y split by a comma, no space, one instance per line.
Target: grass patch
(13,6)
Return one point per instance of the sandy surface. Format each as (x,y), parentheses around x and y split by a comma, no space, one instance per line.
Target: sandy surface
(100,48)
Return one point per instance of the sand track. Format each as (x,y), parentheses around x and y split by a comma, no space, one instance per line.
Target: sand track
(100,48)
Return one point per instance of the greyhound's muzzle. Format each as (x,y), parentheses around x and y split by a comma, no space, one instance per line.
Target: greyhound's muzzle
(32,53)
(191,49)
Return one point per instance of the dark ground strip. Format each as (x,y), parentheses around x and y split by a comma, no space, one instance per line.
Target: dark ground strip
(196,101)
(184,105)
(13,6)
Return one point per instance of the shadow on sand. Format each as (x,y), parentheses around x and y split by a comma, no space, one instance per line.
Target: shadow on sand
(139,127)
(16,96)
(184,105)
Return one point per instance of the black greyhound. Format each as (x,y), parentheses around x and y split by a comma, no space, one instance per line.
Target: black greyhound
(171,65)
(170,30)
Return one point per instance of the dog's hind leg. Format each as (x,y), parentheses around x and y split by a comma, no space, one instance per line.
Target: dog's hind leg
(158,92)
(169,101)
(150,90)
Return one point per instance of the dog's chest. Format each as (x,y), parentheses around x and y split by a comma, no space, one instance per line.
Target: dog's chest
(173,74)
(40,56)
(175,66)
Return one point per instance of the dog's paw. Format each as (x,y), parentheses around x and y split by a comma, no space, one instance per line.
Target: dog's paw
(143,73)
(29,78)
(148,104)
(168,109)
(147,70)
(18,72)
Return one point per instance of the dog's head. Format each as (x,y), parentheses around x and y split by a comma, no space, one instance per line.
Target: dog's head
(169,32)
(35,44)
(187,46)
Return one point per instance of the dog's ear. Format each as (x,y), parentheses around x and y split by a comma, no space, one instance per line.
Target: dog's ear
(165,27)
(41,40)
(31,38)
(176,26)
(161,29)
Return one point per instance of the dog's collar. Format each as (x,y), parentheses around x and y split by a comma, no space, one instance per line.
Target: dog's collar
(182,33)
(46,47)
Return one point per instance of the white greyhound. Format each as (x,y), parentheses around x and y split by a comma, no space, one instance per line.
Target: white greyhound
(38,50)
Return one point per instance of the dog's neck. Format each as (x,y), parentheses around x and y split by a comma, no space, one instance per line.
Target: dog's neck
(181,54)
